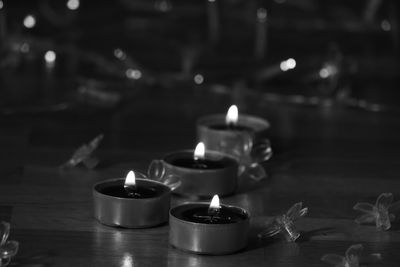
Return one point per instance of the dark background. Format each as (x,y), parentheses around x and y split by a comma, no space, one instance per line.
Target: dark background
(169,42)
(346,56)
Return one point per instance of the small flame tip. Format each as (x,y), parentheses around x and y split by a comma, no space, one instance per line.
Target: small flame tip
(215,203)
(232,116)
(199,152)
(130,179)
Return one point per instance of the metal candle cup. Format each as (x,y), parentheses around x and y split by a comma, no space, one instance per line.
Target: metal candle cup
(210,129)
(208,238)
(131,212)
(241,137)
(204,182)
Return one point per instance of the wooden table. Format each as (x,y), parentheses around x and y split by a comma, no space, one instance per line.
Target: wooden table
(327,157)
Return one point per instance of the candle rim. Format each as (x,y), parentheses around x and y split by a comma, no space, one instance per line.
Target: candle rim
(257,123)
(243,211)
(116,181)
(227,158)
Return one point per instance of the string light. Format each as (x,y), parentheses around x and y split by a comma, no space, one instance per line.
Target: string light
(29,21)
(73,4)
(118,53)
(324,73)
(163,5)
(50,56)
(198,79)
(385,25)
(327,71)
(262,14)
(133,74)
(25,48)
(288,64)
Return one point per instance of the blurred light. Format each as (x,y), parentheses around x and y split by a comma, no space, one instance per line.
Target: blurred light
(73,4)
(291,63)
(198,79)
(50,56)
(118,53)
(284,66)
(133,74)
(262,14)
(288,64)
(1,4)
(375,107)
(327,71)
(385,25)
(127,260)
(163,5)
(314,100)
(29,21)
(211,1)
(324,73)
(362,103)
(298,99)
(24,48)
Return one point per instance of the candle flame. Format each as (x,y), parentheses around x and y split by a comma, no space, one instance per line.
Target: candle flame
(232,116)
(130,179)
(215,203)
(200,151)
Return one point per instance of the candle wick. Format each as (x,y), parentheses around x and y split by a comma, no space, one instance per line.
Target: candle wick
(213,212)
(199,163)
(231,125)
(131,190)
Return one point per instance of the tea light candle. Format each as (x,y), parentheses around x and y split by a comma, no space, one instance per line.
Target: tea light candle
(208,228)
(224,132)
(131,202)
(201,173)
